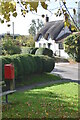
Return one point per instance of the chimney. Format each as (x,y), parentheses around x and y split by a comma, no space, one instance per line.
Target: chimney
(47,19)
(8,33)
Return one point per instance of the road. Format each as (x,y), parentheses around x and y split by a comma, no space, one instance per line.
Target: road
(67,70)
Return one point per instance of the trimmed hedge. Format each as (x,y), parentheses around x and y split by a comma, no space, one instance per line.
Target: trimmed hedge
(44,51)
(48,64)
(37,51)
(26,64)
(34,51)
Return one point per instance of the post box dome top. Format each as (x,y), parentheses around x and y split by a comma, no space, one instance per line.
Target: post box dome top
(9,64)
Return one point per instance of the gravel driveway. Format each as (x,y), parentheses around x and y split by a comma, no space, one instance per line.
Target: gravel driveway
(68,71)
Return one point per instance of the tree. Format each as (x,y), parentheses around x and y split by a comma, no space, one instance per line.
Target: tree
(39,25)
(25,40)
(32,29)
(22,39)
(8,8)
(30,41)
(35,27)
(72,46)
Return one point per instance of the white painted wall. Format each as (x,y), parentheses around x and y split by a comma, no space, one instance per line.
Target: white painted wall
(54,46)
(42,41)
(63,54)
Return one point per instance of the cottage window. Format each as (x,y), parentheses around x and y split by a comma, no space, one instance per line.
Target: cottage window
(61,46)
(49,45)
(48,37)
(40,36)
(44,45)
(39,44)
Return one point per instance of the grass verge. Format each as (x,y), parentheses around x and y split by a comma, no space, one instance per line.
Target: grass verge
(38,78)
(54,101)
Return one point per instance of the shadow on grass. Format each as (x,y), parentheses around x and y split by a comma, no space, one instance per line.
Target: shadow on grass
(43,102)
(36,78)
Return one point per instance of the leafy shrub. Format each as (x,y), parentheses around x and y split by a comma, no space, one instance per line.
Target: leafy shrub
(30,41)
(10,47)
(27,41)
(29,50)
(25,64)
(44,51)
(72,46)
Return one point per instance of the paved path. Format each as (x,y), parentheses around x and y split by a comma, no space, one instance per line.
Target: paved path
(41,85)
(68,71)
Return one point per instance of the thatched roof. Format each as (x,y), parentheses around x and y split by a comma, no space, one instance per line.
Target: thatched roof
(61,39)
(52,30)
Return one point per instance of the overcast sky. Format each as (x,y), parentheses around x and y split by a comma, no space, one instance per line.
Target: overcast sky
(22,24)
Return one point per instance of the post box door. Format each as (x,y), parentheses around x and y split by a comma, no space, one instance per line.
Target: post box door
(9,71)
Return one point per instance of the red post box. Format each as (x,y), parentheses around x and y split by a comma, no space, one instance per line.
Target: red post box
(9,71)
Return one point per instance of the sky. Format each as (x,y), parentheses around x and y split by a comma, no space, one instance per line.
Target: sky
(21,24)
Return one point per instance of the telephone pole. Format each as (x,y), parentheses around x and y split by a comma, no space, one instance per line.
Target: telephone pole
(13,29)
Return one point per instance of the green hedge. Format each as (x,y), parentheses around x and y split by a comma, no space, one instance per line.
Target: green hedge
(48,63)
(44,51)
(26,64)
(37,51)
(34,51)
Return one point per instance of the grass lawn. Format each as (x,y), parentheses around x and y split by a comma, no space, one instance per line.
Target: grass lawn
(54,101)
(38,78)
